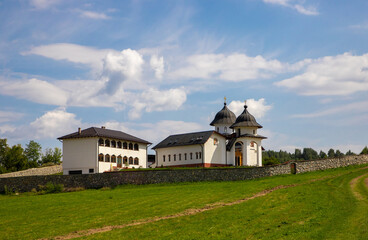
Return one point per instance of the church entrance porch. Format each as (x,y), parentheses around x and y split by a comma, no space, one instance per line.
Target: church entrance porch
(238,154)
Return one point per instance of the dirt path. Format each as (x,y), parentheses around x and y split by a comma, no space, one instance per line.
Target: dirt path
(187,212)
(353,184)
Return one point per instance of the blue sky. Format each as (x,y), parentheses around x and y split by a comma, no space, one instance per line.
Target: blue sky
(155,68)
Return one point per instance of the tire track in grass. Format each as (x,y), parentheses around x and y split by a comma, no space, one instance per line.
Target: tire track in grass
(187,212)
(353,186)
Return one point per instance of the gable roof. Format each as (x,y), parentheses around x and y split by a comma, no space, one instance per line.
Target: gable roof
(185,139)
(224,116)
(103,132)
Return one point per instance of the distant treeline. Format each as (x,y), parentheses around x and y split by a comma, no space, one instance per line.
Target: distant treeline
(16,158)
(271,157)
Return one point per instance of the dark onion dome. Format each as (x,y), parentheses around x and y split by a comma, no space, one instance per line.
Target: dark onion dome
(225,116)
(245,120)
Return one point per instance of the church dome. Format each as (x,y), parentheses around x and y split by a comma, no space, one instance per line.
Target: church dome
(245,120)
(225,116)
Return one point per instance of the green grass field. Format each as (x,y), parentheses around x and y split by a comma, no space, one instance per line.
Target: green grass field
(330,204)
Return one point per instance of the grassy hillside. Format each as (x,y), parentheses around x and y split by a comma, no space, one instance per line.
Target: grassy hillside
(330,204)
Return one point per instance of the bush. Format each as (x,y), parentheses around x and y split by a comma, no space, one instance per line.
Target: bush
(53,188)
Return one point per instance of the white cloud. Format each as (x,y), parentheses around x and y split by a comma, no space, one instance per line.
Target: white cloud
(93,15)
(54,124)
(347,108)
(34,90)
(9,116)
(258,108)
(72,53)
(120,67)
(332,75)
(157,64)
(233,67)
(296,5)
(43,4)
(157,100)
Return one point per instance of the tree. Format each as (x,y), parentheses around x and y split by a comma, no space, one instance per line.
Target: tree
(309,154)
(52,156)
(338,153)
(349,153)
(3,150)
(365,150)
(33,153)
(270,161)
(331,153)
(15,159)
(322,154)
(298,154)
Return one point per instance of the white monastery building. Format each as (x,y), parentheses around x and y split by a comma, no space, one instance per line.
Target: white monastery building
(234,142)
(97,150)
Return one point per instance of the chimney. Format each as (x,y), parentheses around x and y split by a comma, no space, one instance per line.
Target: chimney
(103,127)
(79,131)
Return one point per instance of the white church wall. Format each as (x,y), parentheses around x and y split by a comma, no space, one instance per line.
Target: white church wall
(80,154)
(160,152)
(215,150)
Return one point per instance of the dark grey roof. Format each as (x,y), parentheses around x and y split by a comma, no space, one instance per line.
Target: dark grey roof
(225,116)
(246,120)
(103,132)
(185,139)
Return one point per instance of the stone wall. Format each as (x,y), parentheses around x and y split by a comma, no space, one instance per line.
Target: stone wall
(99,180)
(308,166)
(34,172)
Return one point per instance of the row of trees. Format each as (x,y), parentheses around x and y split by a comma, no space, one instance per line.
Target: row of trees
(16,158)
(271,157)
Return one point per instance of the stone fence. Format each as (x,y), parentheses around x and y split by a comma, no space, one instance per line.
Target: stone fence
(95,181)
(34,172)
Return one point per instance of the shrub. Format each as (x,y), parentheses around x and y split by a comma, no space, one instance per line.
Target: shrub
(54,188)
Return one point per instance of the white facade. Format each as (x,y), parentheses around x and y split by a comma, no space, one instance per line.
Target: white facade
(90,155)
(234,142)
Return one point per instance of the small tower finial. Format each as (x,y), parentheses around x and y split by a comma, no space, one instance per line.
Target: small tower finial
(245,104)
(224,100)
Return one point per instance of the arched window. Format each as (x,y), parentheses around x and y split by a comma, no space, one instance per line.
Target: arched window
(125,160)
(238,131)
(131,146)
(136,147)
(174,157)
(200,155)
(125,145)
(119,144)
(119,161)
(185,156)
(113,143)
(136,161)
(113,159)
(191,156)
(107,143)
(169,157)
(107,158)
(217,129)
(100,157)
(101,142)
(130,160)
(163,158)
(179,156)
(196,155)
(215,141)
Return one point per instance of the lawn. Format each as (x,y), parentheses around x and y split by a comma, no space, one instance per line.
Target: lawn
(322,209)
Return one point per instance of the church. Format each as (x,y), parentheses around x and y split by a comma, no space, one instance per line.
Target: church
(233,142)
